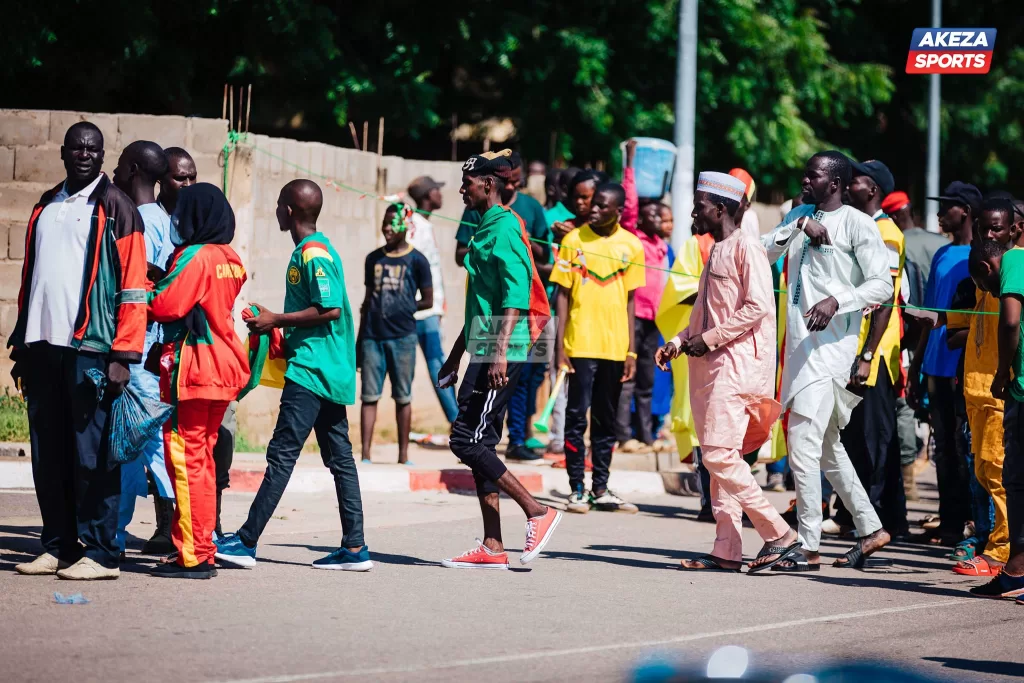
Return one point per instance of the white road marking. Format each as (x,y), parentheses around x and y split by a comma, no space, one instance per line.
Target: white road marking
(542,654)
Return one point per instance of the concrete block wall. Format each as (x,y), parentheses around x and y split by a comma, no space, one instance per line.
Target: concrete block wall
(30,164)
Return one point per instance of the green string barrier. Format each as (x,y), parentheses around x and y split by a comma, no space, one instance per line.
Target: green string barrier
(234,139)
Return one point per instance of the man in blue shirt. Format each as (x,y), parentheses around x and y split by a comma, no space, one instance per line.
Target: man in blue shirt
(934,368)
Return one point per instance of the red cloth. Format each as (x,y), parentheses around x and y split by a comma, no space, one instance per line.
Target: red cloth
(189,438)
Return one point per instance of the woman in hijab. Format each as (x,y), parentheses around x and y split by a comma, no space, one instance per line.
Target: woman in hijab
(202,365)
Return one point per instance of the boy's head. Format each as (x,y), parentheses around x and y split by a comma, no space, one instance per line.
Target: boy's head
(299,203)
(606,206)
(485,178)
(394,225)
(650,218)
(668,222)
(995,221)
(552,186)
(959,206)
(984,262)
(565,179)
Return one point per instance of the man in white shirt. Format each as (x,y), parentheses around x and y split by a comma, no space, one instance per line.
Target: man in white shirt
(426,192)
(82,307)
(837,266)
(141,165)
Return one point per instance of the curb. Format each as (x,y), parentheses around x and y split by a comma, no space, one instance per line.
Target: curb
(382,478)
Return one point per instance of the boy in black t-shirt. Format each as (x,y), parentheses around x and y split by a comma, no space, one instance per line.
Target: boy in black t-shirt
(387,331)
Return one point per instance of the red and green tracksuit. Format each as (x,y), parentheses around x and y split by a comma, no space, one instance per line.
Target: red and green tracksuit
(111,315)
(202,369)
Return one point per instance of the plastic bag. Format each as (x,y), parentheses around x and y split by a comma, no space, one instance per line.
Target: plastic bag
(134,419)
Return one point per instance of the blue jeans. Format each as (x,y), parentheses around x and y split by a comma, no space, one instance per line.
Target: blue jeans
(524,400)
(428,332)
(395,358)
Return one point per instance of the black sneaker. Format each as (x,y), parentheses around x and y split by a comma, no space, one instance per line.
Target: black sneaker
(173,570)
(1002,586)
(522,454)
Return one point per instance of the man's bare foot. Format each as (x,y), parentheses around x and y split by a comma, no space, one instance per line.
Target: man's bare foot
(784,542)
(700,566)
(867,546)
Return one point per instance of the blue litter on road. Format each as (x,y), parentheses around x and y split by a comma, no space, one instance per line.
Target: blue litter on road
(76,599)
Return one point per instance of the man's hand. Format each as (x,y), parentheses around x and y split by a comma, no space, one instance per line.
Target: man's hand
(861,372)
(154,273)
(816,232)
(496,373)
(560,229)
(118,375)
(448,375)
(999,382)
(628,369)
(564,362)
(696,346)
(821,314)
(630,152)
(666,353)
(263,322)
(915,392)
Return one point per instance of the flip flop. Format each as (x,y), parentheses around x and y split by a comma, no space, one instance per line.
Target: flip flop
(782,551)
(964,550)
(799,566)
(710,565)
(855,559)
(977,566)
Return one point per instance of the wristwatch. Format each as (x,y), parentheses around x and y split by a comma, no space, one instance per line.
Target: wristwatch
(867,356)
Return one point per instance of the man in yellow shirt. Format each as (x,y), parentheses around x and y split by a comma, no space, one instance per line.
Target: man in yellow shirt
(984,412)
(870,437)
(600,265)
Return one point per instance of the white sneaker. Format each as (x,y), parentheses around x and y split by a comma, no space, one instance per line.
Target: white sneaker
(830,528)
(88,570)
(44,565)
(610,502)
(579,502)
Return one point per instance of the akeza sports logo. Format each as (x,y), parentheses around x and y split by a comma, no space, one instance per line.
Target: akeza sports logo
(951,51)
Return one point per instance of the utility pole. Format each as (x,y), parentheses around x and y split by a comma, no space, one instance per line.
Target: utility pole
(686,120)
(931,207)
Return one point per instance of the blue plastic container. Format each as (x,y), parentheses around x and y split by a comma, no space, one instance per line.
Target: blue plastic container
(653,165)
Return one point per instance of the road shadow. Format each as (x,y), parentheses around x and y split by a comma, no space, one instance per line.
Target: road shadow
(668,511)
(384,558)
(671,556)
(863,580)
(979,665)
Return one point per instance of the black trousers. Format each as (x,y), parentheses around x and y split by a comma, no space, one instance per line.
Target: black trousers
(640,389)
(303,412)
(477,430)
(870,441)
(595,386)
(78,490)
(1013,473)
(948,411)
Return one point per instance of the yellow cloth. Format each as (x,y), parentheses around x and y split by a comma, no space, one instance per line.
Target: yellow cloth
(889,346)
(990,476)
(674,317)
(600,272)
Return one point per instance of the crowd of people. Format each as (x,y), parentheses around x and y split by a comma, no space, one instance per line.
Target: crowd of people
(837,346)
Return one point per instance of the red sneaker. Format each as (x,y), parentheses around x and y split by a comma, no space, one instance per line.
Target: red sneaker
(538,532)
(480,557)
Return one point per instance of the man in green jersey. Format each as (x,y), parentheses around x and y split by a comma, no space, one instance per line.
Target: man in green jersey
(319,341)
(997,269)
(497,336)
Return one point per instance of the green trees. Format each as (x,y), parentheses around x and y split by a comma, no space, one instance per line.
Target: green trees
(778,79)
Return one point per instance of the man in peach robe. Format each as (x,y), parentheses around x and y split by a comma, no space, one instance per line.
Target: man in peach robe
(731,345)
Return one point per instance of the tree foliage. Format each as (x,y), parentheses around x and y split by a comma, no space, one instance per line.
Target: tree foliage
(777,79)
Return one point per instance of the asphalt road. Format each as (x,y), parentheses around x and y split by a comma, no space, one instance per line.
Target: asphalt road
(604,596)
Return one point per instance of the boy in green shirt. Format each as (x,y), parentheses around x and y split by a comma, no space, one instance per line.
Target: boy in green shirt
(319,342)
(996,269)
(497,337)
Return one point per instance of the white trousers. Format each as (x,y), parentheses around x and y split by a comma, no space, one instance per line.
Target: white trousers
(814,447)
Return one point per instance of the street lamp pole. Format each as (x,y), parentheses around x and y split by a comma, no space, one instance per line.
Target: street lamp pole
(934,126)
(686,119)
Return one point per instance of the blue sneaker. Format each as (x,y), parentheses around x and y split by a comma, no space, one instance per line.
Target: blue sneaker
(346,560)
(231,550)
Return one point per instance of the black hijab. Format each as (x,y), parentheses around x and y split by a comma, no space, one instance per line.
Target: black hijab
(204,215)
